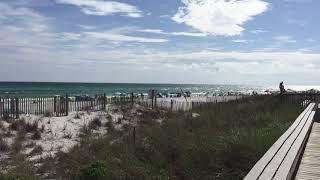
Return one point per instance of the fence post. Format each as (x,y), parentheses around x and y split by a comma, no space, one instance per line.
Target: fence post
(12,106)
(67,105)
(55,104)
(152,103)
(1,112)
(17,108)
(132,99)
(134,135)
(104,101)
(91,104)
(155,101)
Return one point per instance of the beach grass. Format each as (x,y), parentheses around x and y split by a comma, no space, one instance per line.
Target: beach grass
(215,141)
(224,142)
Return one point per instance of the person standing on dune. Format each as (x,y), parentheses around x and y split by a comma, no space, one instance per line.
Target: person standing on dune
(281,87)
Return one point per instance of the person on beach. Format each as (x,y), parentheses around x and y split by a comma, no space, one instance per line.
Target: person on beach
(281,87)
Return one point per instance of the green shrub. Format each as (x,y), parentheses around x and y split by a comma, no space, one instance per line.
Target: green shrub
(96,171)
(47,113)
(36,150)
(224,142)
(6,117)
(77,116)
(95,123)
(31,127)
(17,125)
(20,169)
(85,131)
(36,135)
(4,147)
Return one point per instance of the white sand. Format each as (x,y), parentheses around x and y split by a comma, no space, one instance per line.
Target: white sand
(62,133)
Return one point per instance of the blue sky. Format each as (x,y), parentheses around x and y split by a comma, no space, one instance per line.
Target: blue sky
(164,41)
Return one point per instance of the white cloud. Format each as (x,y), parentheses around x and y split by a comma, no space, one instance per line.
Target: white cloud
(29,39)
(123,38)
(22,17)
(189,34)
(104,8)
(155,31)
(239,41)
(284,39)
(87,27)
(258,31)
(160,31)
(30,3)
(304,50)
(69,36)
(134,15)
(219,17)
(165,16)
(311,40)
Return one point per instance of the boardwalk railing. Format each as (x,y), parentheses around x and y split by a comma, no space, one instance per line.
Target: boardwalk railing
(280,161)
(300,97)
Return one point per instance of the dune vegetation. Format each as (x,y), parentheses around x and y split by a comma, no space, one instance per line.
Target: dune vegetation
(218,141)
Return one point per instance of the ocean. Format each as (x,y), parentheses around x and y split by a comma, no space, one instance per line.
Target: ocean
(32,89)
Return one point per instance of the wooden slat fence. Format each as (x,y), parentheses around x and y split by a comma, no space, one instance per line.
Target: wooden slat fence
(182,104)
(12,107)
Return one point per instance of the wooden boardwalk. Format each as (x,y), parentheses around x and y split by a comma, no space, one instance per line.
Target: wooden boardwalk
(310,163)
(280,161)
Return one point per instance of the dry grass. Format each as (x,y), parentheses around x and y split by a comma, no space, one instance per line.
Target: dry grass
(36,150)
(95,123)
(77,116)
(17,125)
(36,135)
(67,135)
(47,113)
(222,143)
(18,141)
(31,127)
(1,125)
(4,147)
(85,131)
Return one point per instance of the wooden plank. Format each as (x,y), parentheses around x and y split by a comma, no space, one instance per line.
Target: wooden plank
(288,165)
(310,163)
(264,161)
(274,164)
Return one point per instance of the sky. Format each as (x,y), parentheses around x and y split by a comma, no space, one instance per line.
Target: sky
(161,41)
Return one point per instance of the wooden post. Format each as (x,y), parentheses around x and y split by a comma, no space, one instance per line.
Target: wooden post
(300,102)
(55,104)
(132,99)
(91,104)
(104,101)
(17,108)
(152,103)
(1,112)
(134,135)
(12,106)
(155,101)
(67,105)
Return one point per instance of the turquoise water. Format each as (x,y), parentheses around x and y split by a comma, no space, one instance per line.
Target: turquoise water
(20,89)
